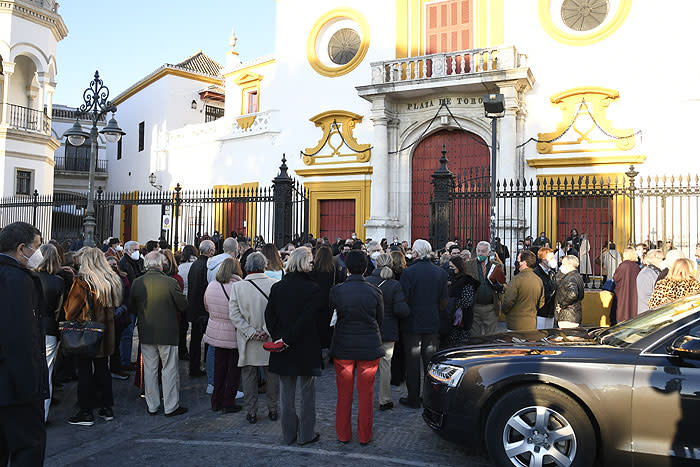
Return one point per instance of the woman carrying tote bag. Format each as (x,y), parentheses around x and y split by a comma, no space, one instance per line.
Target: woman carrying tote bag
(95,292)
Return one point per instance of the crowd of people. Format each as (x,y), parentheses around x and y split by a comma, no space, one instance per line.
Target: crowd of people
(254,319)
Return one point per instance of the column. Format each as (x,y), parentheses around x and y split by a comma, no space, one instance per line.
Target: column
(50,89)
(380,225)
(7,69)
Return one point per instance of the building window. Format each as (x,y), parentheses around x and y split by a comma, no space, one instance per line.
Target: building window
(24,182)
(584,15)
(119,148)
(142,135)
(343,46)
(212,113)
(252,101)
(78,157)
(448,26)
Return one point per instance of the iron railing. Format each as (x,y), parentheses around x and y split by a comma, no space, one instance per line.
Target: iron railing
(177,216)
(78,164)
(25,118)
(660,212)
(72,114)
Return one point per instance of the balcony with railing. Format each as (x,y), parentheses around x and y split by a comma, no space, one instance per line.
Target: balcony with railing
(28,119)
(465,66)
(78,164)
(70,113)
(51,5)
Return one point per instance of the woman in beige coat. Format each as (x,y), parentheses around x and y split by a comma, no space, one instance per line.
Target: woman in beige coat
(247,312)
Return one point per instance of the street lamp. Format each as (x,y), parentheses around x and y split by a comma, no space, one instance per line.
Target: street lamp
(95,107)
(152,180)
(494,108)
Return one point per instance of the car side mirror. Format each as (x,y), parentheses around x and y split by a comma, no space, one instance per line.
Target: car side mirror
(686,347)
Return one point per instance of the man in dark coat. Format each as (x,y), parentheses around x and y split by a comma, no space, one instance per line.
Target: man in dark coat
(157,299)
(425,287)
(24,382)
(524,295)
(341,271)
(545,270)
(295,314)
(569,294)
(196,313)
(131,263)
(244,250)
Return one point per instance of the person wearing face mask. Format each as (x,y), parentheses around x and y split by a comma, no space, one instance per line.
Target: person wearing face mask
(569,294)
(114,248)
(485,305)
(545,270)
(374,249)
(132,265)
(24,383)
(542,240)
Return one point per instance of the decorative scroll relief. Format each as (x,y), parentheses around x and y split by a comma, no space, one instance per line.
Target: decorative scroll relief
(584,126)
(337,144)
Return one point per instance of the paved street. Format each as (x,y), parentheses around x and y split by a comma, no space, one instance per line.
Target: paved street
(202,437)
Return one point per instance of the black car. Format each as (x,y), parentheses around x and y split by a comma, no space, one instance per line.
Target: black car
(621,396)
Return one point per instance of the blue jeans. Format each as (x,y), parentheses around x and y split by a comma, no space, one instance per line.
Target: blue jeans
(126,342)
(210,365)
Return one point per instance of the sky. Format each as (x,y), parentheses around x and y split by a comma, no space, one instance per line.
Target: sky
(128,39)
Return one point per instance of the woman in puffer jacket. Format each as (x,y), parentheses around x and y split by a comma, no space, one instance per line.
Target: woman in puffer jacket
(221,334)
(569,294)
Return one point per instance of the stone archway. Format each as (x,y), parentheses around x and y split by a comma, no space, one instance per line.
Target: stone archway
(468,157)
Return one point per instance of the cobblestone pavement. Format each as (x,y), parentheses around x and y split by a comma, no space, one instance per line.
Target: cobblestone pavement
(202,437)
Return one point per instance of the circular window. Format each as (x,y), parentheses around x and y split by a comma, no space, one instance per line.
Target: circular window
(338,42)
(584,15)
(343,46)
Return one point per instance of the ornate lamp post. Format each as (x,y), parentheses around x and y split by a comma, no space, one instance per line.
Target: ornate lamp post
(494,107)
(95,106)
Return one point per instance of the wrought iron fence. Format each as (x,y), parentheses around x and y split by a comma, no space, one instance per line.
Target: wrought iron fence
(78,164)
(659,212)
(278,213)
(25,118)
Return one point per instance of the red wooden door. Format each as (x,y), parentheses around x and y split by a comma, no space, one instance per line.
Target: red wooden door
(590,215)
(448,26)
(468,156)
(337,218)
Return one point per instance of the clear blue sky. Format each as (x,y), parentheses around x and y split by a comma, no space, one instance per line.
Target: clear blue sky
(128,39)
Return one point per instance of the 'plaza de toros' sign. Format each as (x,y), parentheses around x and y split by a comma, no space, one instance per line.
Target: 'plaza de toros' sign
(453,101)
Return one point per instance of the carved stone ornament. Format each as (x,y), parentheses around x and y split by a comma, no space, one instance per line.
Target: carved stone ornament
(337,144)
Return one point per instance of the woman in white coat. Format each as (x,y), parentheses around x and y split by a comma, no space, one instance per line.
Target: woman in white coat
(247,312)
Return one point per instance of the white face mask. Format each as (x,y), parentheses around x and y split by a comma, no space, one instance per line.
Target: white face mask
(409,256)
(34,260)
(135,255)
(553,263)
(375,255)
(119,248)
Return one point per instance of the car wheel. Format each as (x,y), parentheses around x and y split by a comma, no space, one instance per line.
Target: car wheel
(539,426)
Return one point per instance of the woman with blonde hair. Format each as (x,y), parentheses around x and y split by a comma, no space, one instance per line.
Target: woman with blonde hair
(395,309)
(679,283)
(221,336)
(96,291)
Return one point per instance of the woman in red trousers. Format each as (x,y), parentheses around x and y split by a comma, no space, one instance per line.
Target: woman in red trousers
(356,347)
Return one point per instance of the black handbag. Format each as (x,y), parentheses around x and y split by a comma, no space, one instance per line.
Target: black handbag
(82,338)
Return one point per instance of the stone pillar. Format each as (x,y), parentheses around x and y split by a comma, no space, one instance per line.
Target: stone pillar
(380,224)
(50,89)
(7,69)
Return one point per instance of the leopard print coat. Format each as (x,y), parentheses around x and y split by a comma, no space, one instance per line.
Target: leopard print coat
(669,290)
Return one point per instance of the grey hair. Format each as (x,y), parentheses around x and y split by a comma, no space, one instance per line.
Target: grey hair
(153,260)
(384,263)
(255,262)
(373,246)
(300,260)
(654,257)
(483,247)
(206,246)
(230,245)
(422,249)
(131,245)
(570,261)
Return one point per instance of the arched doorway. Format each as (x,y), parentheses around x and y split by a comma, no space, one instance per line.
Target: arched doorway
(468,158)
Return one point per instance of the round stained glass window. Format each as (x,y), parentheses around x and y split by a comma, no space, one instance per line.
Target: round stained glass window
(343,46)
(584,15)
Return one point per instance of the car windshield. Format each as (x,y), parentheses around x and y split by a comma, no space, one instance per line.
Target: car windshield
(634,329)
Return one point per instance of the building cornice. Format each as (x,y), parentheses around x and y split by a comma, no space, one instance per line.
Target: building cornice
(251,65)
(37,15)
(161,72)
(29,137)
(26,155)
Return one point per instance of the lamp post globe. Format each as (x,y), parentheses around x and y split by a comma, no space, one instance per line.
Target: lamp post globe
(76,136)
(112,131)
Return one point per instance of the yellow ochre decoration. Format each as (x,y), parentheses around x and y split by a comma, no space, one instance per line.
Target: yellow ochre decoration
(336,124)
